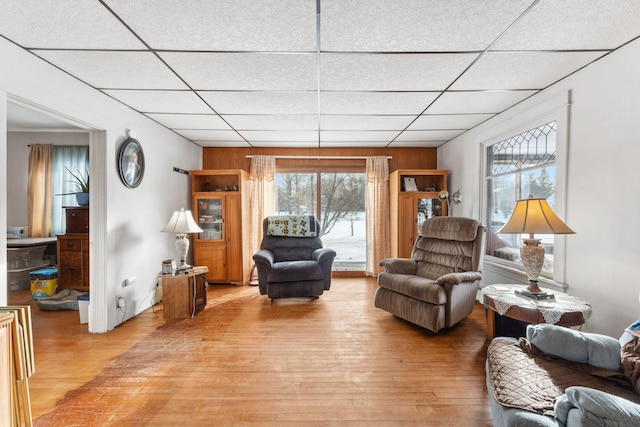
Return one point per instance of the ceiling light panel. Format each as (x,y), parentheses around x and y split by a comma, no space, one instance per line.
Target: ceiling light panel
(262,102)
(115,70)
(396,123)
(273,122)
(375,102)
(222,25)
(190,121)
(415,25)
(477,102)
(523,70)
(357,135)
(575,24)
(213,135)
(448,121)
(245,71)
(408,72)
(161,101)
(64,24)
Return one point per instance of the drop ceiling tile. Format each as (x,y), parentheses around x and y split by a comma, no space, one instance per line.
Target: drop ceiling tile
(396,123)
(523,70)
(410,144)
(415,25)
(428,135)
(245,71)
(285,144)
(357,135)
(375,102)
(273,122)
(354,144)
(280,136)
(212,135)
(190,121)
(477,102)
(448,121)
(64,24)
(400,72)
(225,144)
(161,101)
(115,70)
(574,24)
(284,25)
(262,102)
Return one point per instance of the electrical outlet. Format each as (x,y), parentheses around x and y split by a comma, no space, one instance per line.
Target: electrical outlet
(121,302)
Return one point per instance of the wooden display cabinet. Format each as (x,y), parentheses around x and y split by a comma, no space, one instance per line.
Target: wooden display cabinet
(184,294)
(221,208)
(408,209)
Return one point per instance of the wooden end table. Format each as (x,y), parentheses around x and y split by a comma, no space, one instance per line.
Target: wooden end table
(509,313)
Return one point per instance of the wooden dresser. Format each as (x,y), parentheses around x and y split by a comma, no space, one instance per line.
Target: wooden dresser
(73,250)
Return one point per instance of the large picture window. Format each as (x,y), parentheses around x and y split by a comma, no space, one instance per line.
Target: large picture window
(337,199)
(516,168)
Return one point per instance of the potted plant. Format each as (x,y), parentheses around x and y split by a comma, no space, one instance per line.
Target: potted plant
(82,187)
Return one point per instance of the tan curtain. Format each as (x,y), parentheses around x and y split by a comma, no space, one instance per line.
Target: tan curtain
(377,213)
(39,190)
(263,196)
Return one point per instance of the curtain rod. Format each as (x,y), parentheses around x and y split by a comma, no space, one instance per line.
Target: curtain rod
(249,156)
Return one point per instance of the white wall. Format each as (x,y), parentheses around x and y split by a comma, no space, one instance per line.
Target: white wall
(129,219)
(18,164)
(603,174)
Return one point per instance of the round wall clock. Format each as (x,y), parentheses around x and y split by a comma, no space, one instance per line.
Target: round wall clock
(131,162)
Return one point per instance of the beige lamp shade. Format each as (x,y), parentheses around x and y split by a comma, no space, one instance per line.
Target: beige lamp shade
(534,216)
(182,222)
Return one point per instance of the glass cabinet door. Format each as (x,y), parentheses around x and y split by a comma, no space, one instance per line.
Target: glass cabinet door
(210,219)
(428,208)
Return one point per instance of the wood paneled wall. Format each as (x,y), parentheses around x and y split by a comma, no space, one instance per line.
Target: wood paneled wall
(236,158)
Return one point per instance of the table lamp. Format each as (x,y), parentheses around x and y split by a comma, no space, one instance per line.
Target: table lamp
(534,216)
(182,222)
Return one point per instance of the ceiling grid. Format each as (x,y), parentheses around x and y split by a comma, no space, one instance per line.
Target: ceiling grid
(320,73)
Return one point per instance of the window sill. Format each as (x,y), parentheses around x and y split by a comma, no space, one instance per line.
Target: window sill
(513,273)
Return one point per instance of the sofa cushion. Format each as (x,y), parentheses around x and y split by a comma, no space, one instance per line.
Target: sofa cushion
(295,271)
(420,288)
(596,350)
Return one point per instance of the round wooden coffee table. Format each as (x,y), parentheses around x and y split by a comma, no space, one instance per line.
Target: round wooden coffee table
(508,313)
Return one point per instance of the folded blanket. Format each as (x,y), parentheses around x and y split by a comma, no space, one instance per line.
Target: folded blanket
(292,226)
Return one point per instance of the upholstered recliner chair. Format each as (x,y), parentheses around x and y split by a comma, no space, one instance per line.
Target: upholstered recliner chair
(291,261)
(437,287)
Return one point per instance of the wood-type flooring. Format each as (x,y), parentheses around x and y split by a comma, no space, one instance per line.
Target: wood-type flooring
(247,361)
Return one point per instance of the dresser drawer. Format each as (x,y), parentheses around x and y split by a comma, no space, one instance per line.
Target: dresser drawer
(77,219)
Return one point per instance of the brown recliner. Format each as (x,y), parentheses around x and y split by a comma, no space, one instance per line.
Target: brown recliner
(437,287)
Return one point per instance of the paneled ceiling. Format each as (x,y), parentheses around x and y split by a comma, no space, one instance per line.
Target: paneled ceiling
(320,73)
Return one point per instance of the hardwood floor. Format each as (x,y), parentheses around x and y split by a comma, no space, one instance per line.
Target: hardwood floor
(337,360)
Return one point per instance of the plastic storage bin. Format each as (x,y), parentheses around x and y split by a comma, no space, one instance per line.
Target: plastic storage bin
(83,308)
(43,282)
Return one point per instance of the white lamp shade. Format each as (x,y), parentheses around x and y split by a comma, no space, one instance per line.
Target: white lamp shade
(534,216)
(182,222)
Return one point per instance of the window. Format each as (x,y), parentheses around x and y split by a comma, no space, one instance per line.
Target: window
(75,159)
(517,167)
(337,199)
